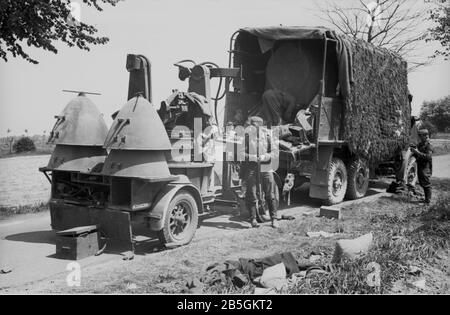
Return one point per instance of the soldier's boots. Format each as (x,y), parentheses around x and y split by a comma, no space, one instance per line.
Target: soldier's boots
(427,191)
(273,213)
(253,216)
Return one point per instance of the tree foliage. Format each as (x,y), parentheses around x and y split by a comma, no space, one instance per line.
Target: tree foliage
(441,31)
(437,112)
(397,25)
(41,23)
(432,130)
(24,144)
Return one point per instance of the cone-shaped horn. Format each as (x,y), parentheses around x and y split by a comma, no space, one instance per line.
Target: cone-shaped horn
(143,164)
(77,158)
(137,126)
(79,134)
(80,123)
(137,140)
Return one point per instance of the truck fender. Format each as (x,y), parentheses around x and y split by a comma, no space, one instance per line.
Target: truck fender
(159,210)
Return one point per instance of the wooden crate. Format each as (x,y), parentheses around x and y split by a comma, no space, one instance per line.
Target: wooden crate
(77,243)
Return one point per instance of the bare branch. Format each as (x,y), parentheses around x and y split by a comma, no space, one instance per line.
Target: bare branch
(394,24)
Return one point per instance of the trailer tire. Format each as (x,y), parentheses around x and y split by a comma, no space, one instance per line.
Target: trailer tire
(181,220)
(337,182)
(358,179)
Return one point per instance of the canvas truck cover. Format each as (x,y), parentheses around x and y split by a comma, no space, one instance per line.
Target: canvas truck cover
(372,83)
(268,35)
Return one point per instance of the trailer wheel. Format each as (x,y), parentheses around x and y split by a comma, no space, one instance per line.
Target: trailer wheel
(411,172)
(337,182)
(358,179)
(181,220)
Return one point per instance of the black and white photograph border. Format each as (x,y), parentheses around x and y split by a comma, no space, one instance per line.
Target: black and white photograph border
(231,150)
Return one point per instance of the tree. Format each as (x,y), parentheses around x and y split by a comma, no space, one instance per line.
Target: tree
(397,25)
(428,125)
(24,144)
(42,23)
(10,140)
(437,112)
(441,31)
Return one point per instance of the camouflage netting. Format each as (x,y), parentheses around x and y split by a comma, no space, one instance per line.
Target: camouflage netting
(377,112)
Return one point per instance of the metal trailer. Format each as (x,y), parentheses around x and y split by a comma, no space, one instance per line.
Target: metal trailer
(126,175)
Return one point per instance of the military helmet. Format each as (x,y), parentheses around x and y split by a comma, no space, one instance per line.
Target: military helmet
(255,120)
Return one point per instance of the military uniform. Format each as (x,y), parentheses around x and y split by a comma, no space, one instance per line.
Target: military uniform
(250,169)
(277,107)
(424,167)
(267,184)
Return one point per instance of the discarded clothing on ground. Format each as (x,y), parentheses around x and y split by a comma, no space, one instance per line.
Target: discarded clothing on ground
(242,271)
(274,277)
(254,268)
(400,188)
(245,271)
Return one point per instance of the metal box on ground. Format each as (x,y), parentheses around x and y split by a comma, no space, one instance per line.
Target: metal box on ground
(77,243)
(330,212)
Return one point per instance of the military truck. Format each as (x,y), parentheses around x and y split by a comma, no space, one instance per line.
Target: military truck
(356,93)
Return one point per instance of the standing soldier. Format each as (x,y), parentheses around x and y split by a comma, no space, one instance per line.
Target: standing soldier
(423,154)
(258,153)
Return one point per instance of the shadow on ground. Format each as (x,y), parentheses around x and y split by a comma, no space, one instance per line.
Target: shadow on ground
(42,237)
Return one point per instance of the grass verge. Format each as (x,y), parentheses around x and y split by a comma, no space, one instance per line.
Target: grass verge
(402,241)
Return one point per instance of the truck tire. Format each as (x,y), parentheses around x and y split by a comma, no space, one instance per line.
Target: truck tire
(358,179)
(181,220)
(411,171)
(337,182)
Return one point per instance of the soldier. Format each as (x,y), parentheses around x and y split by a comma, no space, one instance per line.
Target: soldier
(423,154)
(258,152)
(278,107)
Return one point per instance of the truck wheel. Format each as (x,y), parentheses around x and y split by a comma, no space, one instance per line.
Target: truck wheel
(181,220)
(337,182)
(358,179)
(411,172)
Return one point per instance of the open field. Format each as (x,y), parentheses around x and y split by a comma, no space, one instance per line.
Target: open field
(21,184)
(42,148)
(442,135)
(440,146)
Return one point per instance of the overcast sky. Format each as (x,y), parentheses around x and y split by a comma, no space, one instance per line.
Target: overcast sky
(165,31)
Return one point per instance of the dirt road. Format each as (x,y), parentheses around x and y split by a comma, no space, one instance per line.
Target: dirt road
(27,243)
